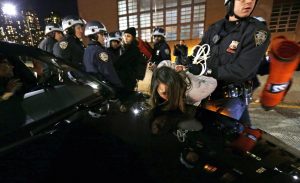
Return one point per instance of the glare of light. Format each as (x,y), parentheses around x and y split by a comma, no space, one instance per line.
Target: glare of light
(94,85)
(9,9)
(136,111)
(295,177)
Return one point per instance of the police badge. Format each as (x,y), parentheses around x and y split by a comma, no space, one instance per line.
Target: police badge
(63,45)
(232,47)
(103,56)
(260,37)
(167,52)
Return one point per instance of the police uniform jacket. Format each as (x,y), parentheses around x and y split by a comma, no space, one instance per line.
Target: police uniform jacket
(47,44)
(236,49)
(115,53)
(131,66)
(161,52)
(71,49)
(98,62)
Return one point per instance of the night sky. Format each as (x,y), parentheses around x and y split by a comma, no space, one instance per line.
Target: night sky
(44,7)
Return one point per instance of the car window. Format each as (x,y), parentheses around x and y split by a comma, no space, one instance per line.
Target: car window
(34,88)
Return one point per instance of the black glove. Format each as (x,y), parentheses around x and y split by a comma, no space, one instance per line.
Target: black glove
(194,69)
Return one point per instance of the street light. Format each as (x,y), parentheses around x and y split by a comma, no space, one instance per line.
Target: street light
(9,9)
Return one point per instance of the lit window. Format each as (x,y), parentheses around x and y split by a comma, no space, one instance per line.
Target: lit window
(171,33)
(145,20)
(171,16)
(122,7)
(122,23)
(185,2)
(198,30)
(158,18)
(199,1)
(146,35)
(199,13)
(185,32)
(284,16)
(171,3)
(132,6)
(133,21)
(144,15)
(185,14)
(157,4)
(145,5)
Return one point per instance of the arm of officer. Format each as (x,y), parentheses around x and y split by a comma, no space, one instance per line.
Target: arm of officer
(62,50)
(165,53)
(195,68)
(248,60)
(106,68)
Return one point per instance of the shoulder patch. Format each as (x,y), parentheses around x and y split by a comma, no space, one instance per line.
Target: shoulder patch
(103,56)
(63,45)
(260,37)
(167,52)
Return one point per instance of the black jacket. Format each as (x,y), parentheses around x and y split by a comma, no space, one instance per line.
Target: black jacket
(71,49)
(161,52)
(114,53)
(180,51)
(131,66)
(47,44)
(239,64)
(98,62)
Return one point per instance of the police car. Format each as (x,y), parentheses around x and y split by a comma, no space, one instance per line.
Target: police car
(63,125)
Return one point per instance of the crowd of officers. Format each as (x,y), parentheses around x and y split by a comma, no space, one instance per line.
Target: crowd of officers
(111,57)
(237,43)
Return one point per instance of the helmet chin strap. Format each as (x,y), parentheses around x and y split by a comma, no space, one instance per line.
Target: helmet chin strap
(230,11)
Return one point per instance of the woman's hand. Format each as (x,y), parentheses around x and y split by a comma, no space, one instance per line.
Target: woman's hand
(179,68)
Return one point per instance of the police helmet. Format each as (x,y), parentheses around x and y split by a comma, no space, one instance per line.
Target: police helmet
(70,21)
(159,31)
(94,27)
(115,36)
(230,7)
(52,27)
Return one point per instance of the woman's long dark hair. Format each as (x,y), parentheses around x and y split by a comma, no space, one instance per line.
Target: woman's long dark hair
(177,86)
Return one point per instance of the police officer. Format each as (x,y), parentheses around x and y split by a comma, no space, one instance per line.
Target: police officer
(96,58)
(71,47)
(114,40)
(237,43)
(53,34)
(161,49)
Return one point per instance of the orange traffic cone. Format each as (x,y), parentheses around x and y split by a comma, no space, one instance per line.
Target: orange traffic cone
(284,61)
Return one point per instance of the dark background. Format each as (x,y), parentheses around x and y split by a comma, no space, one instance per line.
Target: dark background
(44,7)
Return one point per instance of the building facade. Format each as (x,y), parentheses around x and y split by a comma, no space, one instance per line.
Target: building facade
(23,28)
(33,32)
(185,19)
(53,17)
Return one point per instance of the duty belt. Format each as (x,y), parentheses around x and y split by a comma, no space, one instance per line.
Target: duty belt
(243,90)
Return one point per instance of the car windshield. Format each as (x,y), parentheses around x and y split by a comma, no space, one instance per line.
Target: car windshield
(36,85)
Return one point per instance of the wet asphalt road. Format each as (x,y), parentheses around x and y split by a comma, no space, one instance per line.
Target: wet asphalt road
(284,120)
